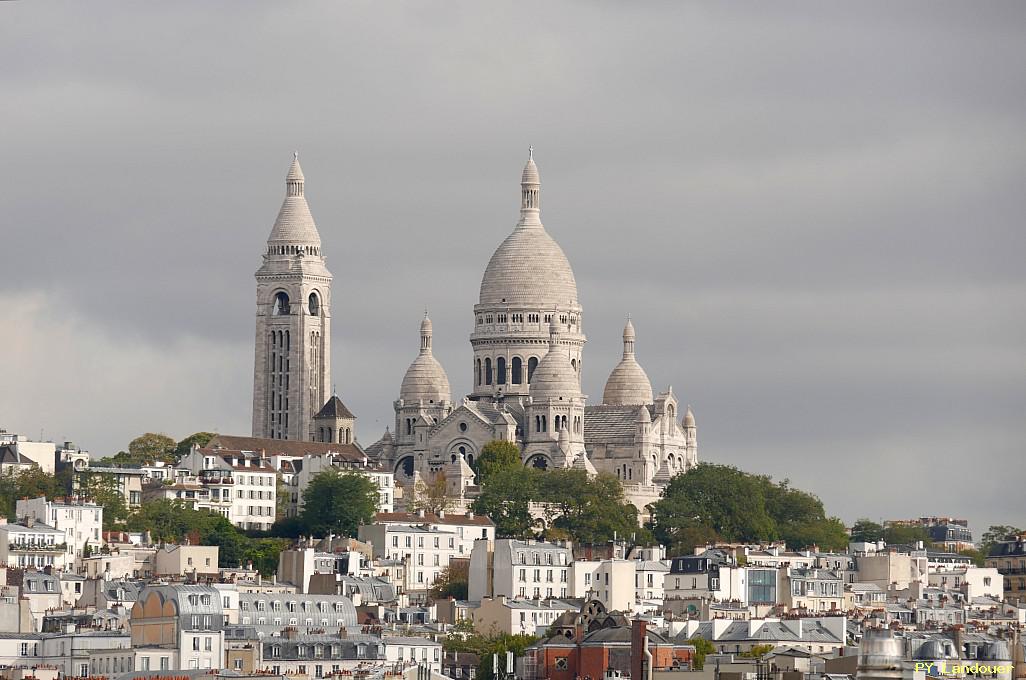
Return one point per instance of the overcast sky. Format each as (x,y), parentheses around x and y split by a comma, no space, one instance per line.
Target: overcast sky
(812,211)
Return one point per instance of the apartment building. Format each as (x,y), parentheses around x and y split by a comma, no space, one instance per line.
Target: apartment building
(81,522)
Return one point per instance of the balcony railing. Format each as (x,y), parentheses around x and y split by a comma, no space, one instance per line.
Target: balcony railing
(37,547)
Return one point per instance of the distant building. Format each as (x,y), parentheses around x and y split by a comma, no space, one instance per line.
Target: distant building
(1009,558)
(81,521)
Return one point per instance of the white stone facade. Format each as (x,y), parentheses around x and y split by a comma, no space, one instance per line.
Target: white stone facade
(81,522)
(528,345)
(292,366)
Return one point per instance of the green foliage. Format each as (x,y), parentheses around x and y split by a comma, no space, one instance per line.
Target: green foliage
(152,447)
(589,510)
(103,489)
(196,438)
(702,649)
(172,521)
(145,448)
(496,455)
(722,502)
(453,581)
(29,483)
(895,535)
(506,498)
(757,651)
(581,508)
(338,502)
(867,530)
(486,645)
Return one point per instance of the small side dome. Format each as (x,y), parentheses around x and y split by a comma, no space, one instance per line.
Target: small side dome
(425,379)
(689,418)
(643,415)
(555,376)
(628,384)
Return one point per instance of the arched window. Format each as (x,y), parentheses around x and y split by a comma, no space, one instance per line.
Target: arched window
(669,411)
(545,425)
(500,368)
(515,370)
(315,305)
(488,371)
(532,364)
(573,362)
(281,304)
(478,372)
(555,424)
(564,422)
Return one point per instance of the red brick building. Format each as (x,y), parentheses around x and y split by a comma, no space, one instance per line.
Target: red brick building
(586,644)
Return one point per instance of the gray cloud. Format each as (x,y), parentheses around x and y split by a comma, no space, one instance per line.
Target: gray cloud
(813,213)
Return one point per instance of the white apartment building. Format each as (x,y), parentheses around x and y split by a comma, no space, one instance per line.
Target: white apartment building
(515,617)
(81,522)
(37,546)
(426,542)
(813,590)
(243,485)
(649,578)
(612,582)
(973,581)
(520,570)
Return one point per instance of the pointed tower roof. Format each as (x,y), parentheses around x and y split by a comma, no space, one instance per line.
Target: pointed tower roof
(425,379)
(295,225)
(334,408)
(628,384)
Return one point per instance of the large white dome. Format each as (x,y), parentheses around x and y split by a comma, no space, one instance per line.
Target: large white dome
(529,267)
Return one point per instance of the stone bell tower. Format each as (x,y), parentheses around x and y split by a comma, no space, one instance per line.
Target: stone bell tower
(292,367)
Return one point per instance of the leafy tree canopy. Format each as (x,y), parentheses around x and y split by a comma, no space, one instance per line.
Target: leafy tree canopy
(506,499)
(496,455)
(486,645)
(453,581)
(702,649)
(338,502)
(867,530)
(578,507)
(733,505)
(172,522)
(195,439)
(28,483)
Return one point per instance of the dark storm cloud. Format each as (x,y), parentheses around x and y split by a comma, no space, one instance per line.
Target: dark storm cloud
(813,213)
